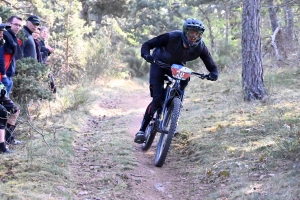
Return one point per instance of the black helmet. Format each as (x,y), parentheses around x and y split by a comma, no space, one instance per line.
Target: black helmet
(3,27)
(195,25)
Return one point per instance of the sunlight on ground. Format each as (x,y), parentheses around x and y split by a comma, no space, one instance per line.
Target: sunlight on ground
(219,127)
(255,188)
(126,84)
(224,143)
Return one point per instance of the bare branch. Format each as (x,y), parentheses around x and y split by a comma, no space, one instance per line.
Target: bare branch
(273,37)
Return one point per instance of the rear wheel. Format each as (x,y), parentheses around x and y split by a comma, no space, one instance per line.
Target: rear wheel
(151,130)
(169,124)
(150,135)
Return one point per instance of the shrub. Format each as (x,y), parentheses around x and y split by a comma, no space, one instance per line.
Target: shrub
(31,81)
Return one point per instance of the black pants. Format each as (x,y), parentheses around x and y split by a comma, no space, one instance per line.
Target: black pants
(157,92)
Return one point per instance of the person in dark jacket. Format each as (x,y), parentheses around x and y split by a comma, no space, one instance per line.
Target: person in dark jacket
(28,46)
(8,110)
(3,111)
(12,52)
(36,38)
(176,47)
(46,50)
(3,28)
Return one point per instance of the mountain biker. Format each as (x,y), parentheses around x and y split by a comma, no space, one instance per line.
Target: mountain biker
(175,47)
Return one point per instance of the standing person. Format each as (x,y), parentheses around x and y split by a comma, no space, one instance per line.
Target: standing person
(6,105)
(3,28)
(46,50)
(28,46)
(12,51)
(176,47)
(36,36)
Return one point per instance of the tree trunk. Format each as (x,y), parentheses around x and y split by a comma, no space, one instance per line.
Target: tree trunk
(208,28)
(289,34)
(279,40)
(272,15)
(253,85)
(289,20)
(227,14)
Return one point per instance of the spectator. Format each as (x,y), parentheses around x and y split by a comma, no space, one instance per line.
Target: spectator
(12,52)
(29,49)
(36,36)
(6,105)
(46,50)
(3,28)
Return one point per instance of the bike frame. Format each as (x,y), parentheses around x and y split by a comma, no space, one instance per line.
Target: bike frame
(172,91)
(166,117)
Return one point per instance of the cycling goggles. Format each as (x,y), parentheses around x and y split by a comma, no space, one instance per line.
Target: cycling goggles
(194,35)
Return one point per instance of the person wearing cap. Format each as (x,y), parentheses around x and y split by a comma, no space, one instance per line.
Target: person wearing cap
(8,53)
(9,112)
(3,112)
(12,52)
(3,28)
(29,48)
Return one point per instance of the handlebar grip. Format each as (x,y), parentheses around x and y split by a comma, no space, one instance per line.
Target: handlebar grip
(202,76)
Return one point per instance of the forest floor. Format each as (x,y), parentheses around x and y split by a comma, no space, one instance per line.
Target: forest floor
(226,148)
(81,147)
(143,181)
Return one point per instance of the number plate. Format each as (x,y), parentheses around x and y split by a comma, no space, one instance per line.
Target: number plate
(181,72)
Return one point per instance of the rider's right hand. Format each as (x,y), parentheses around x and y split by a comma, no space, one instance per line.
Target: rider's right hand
(149,58)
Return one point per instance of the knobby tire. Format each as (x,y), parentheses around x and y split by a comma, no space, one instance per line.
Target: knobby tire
(170,124)
(150,135)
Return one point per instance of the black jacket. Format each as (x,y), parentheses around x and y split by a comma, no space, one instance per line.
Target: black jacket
(45,52)
(11,46)
(169,48)
(28,46)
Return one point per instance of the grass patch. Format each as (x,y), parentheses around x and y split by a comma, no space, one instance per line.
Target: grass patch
(231,148)
(242,148)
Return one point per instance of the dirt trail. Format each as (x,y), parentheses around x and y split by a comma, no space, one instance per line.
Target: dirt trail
(145,182)
(149,182)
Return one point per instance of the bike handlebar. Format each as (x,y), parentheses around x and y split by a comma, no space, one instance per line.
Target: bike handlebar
(167,66)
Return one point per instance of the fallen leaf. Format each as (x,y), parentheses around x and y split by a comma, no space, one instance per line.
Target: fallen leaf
(224,173)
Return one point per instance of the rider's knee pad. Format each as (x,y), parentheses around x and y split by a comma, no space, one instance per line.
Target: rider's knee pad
(3,117)
(156,103)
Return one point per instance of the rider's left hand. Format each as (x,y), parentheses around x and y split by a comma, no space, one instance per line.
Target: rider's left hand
(149,58)
(213,76)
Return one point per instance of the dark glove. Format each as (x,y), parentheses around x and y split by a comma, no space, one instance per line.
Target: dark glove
(2,90)
(8,104)
(2,93)
(213,76)
(2,42)
(149,58)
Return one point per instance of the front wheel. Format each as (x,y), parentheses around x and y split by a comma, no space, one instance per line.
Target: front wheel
(170,122)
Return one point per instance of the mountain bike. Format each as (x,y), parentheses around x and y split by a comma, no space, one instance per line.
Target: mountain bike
(165,119)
